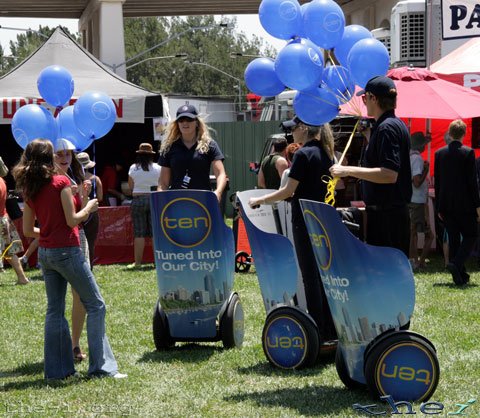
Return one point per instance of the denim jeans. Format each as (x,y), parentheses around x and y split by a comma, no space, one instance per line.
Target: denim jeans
(68,265)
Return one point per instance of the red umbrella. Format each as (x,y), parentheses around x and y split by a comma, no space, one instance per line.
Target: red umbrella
(421,94)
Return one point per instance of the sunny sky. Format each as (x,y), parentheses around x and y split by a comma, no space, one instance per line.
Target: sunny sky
(248,24)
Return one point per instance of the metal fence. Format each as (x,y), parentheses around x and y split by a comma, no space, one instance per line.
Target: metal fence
(241,143)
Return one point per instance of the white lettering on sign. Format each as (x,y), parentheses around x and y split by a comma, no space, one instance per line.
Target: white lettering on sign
(471,80)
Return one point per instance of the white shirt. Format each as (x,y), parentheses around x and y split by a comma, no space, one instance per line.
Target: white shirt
(419,194)
(144,180)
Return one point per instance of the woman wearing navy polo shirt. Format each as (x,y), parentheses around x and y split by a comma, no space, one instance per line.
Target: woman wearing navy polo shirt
(310,163)
(188,153)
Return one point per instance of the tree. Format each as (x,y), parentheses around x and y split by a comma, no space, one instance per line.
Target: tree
(210,46)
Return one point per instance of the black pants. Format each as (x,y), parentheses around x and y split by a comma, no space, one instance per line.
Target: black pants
(90,227)
(317,303)
(389,227)
(462,233)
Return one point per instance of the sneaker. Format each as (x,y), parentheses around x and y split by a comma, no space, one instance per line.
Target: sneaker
(120,375)
(133,266)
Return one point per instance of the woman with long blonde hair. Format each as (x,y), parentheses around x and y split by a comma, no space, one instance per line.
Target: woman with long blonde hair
(189,153)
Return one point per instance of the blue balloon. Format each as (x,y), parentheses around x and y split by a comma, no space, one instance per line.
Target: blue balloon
(351,35)
(324,23)
(55,85)
(337,79)
(299,65)
(261,78)
(68,129)
(32,122)
(367,59)
(94,114)
(281,18)
(303,9)
(316,106)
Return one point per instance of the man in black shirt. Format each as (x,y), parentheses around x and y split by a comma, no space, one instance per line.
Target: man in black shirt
(385,170)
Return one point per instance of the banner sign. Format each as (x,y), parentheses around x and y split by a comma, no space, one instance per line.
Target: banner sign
(369,289)
(129,110)
(460,19)
(194,260)
(274,255)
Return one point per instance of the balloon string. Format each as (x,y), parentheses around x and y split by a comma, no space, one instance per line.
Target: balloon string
(3,256)
(332,182)
(94,184)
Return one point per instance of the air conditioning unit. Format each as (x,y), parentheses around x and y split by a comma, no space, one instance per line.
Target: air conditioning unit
(408,40)
(383,35)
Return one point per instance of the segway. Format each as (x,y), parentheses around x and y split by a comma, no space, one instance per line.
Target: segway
(194,253)
(290,337)
(371,295)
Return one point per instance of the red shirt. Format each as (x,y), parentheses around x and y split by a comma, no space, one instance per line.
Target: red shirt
(3,197)
(54,231)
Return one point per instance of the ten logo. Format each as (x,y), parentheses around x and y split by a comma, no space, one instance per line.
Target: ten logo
(320,240)
(185,222)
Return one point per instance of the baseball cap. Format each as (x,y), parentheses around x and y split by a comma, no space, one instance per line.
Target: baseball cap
(379,86)
(63,144)
(187,111)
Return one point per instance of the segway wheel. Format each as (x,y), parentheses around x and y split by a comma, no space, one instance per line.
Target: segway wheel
(243,261)
(232,324)
(161,333)
(343,374)
(290,339)
(403,365)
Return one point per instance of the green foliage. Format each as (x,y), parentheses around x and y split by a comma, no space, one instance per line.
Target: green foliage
(211,46)
(204,380)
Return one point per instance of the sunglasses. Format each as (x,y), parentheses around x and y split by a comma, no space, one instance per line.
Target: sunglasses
(185,119)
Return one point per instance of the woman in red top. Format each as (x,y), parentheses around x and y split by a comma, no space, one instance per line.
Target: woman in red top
(49,199)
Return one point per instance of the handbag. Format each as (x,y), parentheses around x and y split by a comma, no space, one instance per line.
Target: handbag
(13,208)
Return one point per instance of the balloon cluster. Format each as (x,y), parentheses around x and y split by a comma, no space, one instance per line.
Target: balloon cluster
(91,117)
(309,29)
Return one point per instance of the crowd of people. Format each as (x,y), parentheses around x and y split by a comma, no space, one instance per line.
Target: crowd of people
(62,195)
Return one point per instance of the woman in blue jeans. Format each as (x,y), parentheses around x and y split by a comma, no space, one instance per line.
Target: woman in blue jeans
(49,199)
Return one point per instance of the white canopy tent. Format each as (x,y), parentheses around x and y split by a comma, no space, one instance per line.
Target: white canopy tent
(19,86)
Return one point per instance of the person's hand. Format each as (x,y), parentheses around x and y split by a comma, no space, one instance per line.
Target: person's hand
(338,170)
(74,188)
(255,202)
(92,206)
(426,165)
(87,187)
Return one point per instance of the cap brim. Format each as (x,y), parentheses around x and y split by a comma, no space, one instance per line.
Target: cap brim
(361,93)
(186,115)
(289,124)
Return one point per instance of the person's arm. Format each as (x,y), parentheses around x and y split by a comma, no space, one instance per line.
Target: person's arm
(29,228)
(164,179)
(98,188)
(131,183)
(380,175)
(221,176)
(281,165)
(281,194)
(261,179)
(420,178)
(72,217)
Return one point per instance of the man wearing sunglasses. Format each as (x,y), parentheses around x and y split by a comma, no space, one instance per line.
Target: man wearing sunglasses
(385,169)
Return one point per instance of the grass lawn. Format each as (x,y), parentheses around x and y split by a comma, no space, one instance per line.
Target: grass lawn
(204,380)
